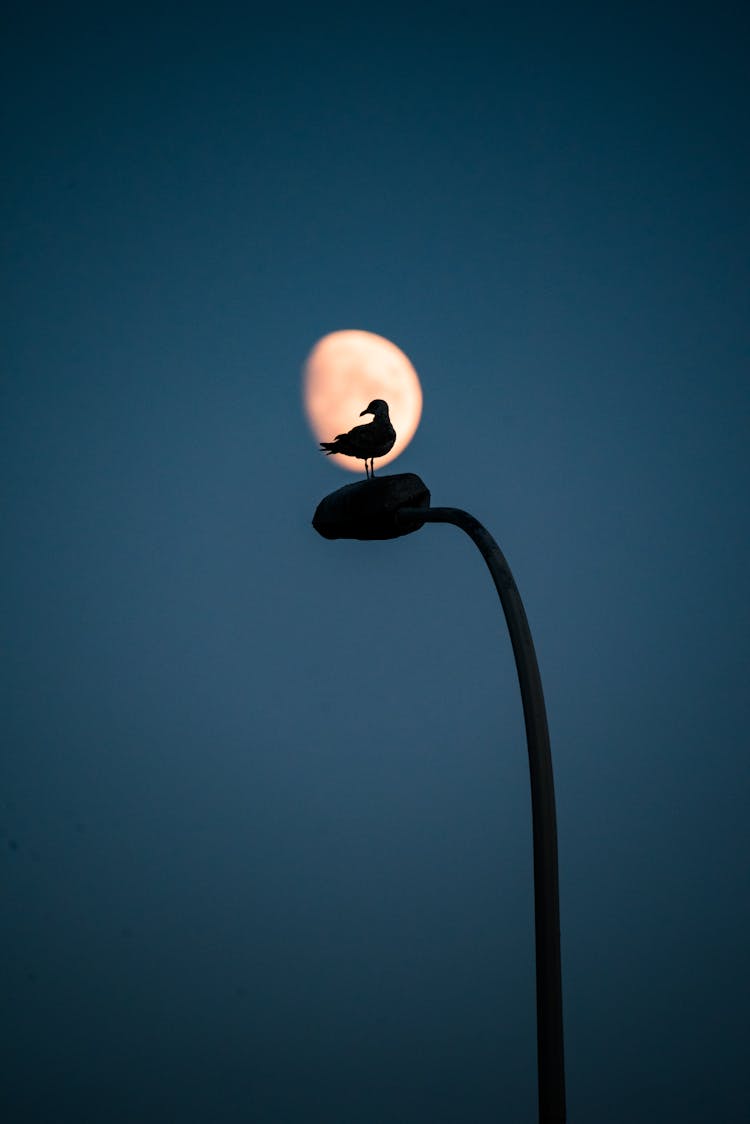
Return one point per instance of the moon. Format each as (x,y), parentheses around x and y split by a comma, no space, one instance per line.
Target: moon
(343,373)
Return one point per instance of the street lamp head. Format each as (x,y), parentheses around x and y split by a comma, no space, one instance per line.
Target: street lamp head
(370,508)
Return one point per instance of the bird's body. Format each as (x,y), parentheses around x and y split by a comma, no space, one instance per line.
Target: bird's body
(366,441)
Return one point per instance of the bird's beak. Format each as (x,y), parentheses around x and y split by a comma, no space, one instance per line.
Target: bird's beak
(365,412)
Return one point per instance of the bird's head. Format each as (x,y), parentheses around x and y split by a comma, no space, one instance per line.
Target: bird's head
(377,407)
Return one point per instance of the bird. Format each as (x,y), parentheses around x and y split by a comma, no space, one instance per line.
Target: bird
(366,442)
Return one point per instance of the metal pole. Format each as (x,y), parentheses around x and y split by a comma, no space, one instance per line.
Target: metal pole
(550,1061)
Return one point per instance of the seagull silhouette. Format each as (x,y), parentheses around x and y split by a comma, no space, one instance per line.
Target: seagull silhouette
(366,441)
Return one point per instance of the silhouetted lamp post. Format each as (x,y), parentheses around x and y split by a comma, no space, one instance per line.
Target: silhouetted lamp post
(385,508)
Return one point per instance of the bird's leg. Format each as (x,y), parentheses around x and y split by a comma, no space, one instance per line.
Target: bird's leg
(367,471)
(372,467)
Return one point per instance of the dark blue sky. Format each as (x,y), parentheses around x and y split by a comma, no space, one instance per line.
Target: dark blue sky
(266,845)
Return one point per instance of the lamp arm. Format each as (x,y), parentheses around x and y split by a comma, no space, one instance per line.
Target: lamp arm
(550,1059)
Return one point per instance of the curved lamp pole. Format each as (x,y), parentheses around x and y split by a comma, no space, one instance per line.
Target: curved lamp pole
(391,506)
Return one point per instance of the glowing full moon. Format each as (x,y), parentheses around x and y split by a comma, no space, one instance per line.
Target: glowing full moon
(347,370)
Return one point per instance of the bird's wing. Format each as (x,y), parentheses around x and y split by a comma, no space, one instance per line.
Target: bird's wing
(374,439)
(360,438)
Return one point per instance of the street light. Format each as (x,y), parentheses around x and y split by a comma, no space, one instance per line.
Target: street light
(387,507)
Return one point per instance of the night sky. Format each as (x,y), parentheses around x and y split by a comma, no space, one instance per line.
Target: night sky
(264,800)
